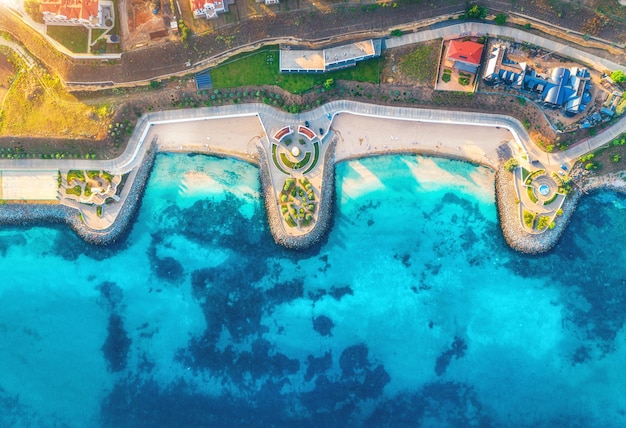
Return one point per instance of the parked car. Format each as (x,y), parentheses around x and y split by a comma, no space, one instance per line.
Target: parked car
(157,7)
(563,167)
(321,131)
(306,123)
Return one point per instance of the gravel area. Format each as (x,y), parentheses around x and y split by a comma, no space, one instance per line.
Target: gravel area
(327,202)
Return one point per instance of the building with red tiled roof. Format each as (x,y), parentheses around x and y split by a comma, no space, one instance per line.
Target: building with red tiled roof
(466,55)
(87,12)
(209,8)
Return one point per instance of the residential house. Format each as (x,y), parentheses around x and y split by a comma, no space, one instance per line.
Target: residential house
(209,8)
(500,70)
(73,12)
(565,88)
(465,55)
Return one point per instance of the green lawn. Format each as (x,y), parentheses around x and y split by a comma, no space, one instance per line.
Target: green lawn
(261,68)
(422,63)
(73,38)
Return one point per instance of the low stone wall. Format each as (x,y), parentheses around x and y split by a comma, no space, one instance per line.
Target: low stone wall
(510,222)
(327,202)
(39,214)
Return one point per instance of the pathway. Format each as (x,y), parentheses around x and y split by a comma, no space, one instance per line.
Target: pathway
(30,62)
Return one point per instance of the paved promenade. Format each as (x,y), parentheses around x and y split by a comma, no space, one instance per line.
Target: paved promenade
(176,124)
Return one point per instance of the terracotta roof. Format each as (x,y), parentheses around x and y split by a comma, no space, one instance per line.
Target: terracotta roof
(218,5)
(465,51)
(71,8)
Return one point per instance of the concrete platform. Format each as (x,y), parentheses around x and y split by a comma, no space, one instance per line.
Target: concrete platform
(29,185)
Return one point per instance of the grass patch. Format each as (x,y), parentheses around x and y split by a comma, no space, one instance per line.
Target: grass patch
(551,199)
(75,174)
(96,33)
(543,222)
(422,63)
(39,106)
(531,194)
(76,190)
(529,219)
(73,38)
(261,68)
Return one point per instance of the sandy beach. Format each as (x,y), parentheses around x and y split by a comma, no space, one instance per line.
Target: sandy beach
(233,136)
(360,136)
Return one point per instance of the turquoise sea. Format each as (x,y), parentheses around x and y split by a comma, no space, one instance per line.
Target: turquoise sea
(412,313)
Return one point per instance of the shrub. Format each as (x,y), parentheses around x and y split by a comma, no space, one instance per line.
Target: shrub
(446,77)
(500,19)
(396,33)
(587,157)
(511,164)
(616,158)
(591,166)
(618,76)
(464,81)
(543,222)
(550,148)
(526,123)
(529,219)
(559,212)
(476,12)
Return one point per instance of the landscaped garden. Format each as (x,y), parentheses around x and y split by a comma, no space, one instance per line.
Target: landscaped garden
(297,202)
(81,183)
(288,161)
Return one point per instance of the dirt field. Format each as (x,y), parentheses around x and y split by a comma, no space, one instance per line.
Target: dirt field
(144,24)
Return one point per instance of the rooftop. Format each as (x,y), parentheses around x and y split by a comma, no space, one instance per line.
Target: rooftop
(466,51)
(71,9)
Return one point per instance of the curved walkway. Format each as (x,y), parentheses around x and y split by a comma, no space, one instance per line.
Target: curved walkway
(19,50)
(321,118)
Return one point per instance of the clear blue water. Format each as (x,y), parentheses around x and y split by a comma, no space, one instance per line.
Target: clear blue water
(413,312)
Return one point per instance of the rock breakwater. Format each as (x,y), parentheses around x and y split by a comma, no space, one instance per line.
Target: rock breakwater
(327,202)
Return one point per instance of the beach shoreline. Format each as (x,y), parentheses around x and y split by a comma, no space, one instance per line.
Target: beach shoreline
(354,132)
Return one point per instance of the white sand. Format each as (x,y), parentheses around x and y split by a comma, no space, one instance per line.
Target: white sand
(362,135)
(235,136)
